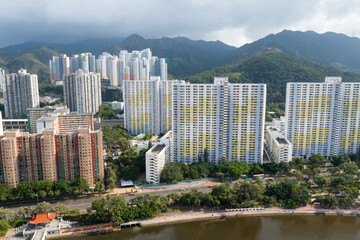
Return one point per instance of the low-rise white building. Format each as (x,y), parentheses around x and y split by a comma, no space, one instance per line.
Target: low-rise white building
(277,145)
(157,157)
(117,105)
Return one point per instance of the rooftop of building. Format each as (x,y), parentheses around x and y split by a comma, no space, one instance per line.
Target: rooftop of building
(167,135)
(47,118)
(282,140)
(42,218)
(158,148)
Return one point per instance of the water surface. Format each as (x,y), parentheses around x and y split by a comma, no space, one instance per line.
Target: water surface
(249,228)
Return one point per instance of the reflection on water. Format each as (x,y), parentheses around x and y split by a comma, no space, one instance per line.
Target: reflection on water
(249,228)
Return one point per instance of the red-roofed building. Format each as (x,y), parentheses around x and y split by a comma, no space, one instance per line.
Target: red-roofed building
(42,218)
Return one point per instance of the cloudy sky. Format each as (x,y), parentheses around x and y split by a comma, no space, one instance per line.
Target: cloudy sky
(232,21)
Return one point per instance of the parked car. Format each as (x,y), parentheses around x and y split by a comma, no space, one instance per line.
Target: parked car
(182,189)
(131,194)
(211,186)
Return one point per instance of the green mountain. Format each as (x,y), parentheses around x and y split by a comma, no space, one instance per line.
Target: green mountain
(34,60)
(275,68)
(329,48)
(184,56)
(187,57)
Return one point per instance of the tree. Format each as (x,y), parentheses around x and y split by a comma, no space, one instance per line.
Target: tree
(62,209)
(236,169)
(101,209)
(117,207)
(249,191)
(299,175)
(43,207)
(321,181)
(338,160)
(25,212)
(349,168)
(284,167)
(223,195)
(316,160)
(5,192)
(171,173)
(193,171)
(6,214)
(4,227)
(99,187)
(81,184)
(42,194)
(206,155)
(297,163)
(289,193)
(327,201)
(110,177)
(256,169)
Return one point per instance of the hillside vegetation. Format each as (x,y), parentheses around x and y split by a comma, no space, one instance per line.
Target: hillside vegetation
(275,68)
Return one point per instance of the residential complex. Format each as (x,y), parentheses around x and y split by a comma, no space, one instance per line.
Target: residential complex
(141,65)
(147,105)
(323,118)
(157,157)
(136,65)
(20,92)
(58,118)
(82,91)
(216,121)
(51,156)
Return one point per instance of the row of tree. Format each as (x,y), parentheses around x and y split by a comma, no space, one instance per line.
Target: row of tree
(175,172)
(43,189)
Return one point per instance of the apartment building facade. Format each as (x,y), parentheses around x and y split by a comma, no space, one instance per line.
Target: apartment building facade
(323,118)
(216,121)
(51,156)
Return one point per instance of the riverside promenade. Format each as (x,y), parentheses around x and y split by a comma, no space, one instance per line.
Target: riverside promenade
(252,213)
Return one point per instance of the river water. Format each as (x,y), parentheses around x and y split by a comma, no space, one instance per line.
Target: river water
(247,228)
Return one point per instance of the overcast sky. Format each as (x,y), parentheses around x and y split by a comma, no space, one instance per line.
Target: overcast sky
(234,22)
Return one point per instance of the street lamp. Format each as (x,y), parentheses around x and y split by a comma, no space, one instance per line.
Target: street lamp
(37,198)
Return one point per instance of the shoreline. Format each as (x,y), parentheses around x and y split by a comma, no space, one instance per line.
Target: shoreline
(258,213)
(211,216)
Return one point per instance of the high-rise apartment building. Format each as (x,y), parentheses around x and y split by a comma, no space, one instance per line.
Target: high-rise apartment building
(20,92)
(217,121)
(83,61)
(2,75)
(147,105)
(51,156)
(82,91)
(348,121)
(59,66)
(323,118)
(140,65)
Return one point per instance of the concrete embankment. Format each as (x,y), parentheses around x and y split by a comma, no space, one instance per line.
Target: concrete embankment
(83,233)
(224,215)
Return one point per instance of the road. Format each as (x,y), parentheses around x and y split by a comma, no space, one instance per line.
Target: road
(82,204)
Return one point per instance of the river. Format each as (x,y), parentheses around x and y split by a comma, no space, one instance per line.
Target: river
(247,228)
